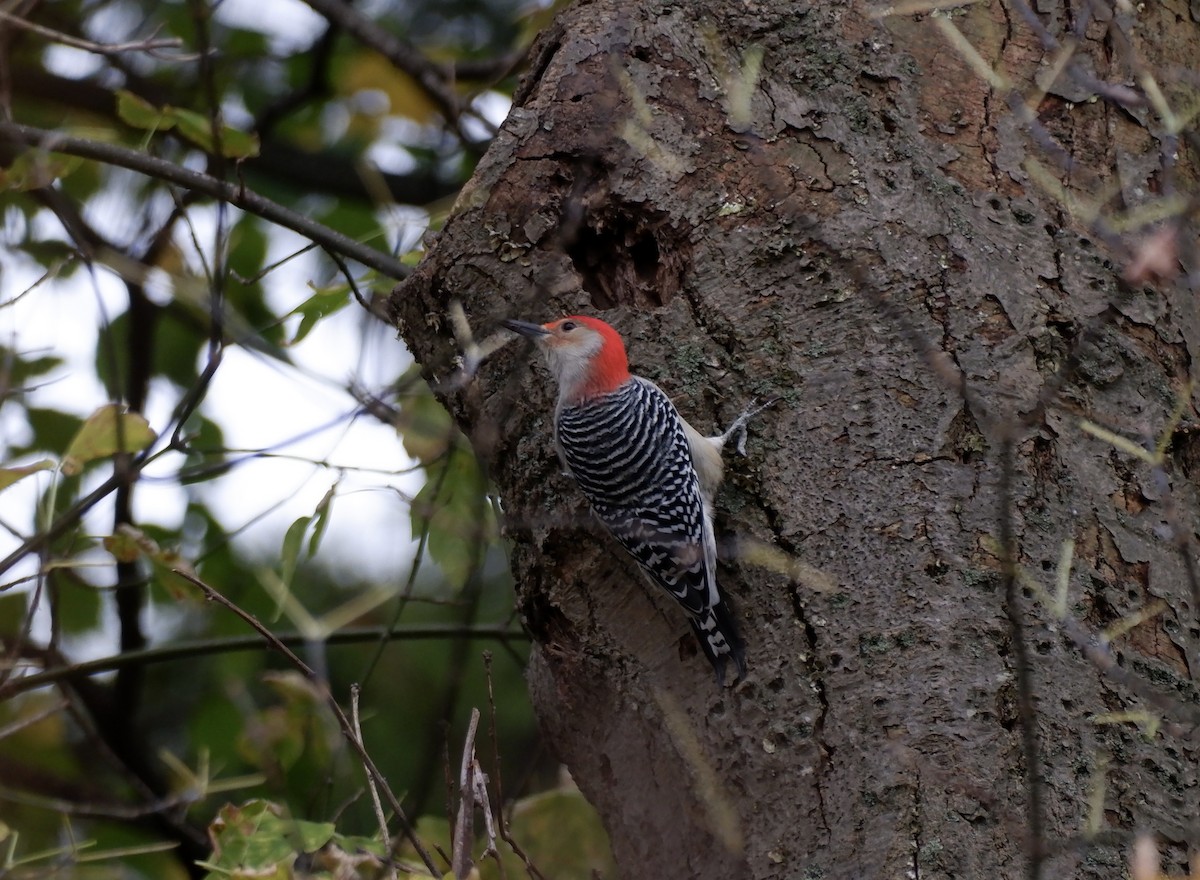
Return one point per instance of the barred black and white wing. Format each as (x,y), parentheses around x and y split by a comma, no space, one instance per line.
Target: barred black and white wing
(629,453)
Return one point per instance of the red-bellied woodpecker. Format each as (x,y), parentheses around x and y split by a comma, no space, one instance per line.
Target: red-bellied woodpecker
(647,474)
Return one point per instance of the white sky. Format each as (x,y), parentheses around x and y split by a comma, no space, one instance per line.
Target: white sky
(257,401)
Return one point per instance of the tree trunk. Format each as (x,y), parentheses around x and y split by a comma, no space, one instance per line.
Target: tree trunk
(855,228)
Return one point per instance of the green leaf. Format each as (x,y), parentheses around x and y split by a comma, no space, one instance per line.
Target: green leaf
(55,254)
(563,836)
(10,475)
(453,508)
(141,113)
(106,432)
(301,726)
(13,606)
(35,169)
(313,835)
(349,217)
(247,252)
(424,424)
(197,128)
(52,430)
(354,843)
(256,838)
(321,304)
(247,44)
(238,144)
(321,520)
(206,458)
(255,312)
(290,552)
(434,833)
(17,371)
(175,345)
(85,182)
(194,126)
(124,546)
(129,544)
(79,604)
(271,740)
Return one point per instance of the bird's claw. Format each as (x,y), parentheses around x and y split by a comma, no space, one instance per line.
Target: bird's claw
(738,428)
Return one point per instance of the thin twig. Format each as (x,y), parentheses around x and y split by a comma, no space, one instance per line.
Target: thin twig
(472,592)
(501,820)
(479,792)
(358,297)
(343,722)
(1096,649)
(64,807)
(149,44)
(410,584)
(503,827)
(30,720)
(385,836)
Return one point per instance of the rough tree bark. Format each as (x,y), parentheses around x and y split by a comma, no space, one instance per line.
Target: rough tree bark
(804,230)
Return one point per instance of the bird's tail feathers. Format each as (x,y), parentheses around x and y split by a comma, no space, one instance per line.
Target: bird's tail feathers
(719,639)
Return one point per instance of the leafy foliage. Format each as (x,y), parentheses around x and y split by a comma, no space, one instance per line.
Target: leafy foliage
(195,127)
(195,399)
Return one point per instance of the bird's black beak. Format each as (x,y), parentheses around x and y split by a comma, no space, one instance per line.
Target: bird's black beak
(533,331)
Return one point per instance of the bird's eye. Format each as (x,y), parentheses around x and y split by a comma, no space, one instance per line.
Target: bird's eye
(567,326)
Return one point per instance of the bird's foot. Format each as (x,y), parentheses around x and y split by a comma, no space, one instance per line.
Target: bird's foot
(738,428)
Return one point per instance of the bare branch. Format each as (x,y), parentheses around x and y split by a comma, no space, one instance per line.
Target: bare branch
(149,44)
(207,647)
(464,833)
(385,835)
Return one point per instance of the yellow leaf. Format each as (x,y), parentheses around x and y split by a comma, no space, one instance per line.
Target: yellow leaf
(370,70)
(10,475)
(124,546)
(106,432)
(35,169)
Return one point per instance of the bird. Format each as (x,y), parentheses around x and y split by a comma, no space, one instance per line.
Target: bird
(649,476)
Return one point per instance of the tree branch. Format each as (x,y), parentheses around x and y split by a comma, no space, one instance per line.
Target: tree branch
(231,644)
(236,195)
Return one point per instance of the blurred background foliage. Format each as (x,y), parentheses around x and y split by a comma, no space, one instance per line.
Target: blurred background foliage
(190,394)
